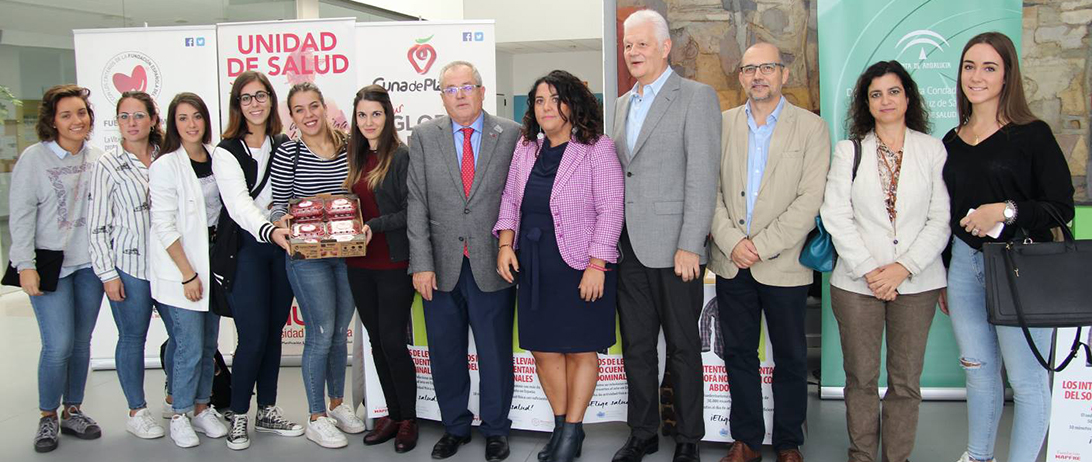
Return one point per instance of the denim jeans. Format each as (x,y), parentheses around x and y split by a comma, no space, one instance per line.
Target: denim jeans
(322,291)
(983,348)
(132,316)
(66,317)
(194,334)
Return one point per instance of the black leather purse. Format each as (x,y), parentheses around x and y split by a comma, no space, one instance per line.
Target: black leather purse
(47,262)
(1041,284)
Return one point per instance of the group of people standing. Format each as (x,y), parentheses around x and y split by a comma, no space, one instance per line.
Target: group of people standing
(478,212)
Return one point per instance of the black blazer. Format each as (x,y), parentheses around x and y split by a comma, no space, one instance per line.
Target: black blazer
(392,198)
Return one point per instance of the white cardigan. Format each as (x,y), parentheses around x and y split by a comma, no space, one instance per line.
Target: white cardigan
(855,214)
(178,213)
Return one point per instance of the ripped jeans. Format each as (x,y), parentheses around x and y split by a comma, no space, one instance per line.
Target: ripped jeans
(983,348)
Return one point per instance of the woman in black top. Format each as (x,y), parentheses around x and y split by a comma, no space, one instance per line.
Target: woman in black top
(382,289)
(256,283)
(1004,168)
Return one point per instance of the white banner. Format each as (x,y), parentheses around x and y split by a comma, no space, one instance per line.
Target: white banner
(162,61)
(321,51)
(531,410)
(406,57)
(1070,416)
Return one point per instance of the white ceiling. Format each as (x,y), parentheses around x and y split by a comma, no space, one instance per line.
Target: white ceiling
(550,46)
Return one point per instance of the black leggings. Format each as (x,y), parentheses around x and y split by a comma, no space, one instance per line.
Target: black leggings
(383,300)
(260,300)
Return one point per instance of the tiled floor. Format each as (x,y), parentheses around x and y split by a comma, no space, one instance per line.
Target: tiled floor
(941,436)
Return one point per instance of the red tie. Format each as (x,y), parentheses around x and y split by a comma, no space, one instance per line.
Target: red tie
(467,170)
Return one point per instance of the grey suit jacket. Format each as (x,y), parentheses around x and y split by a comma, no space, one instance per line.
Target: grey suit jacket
(671,177)
(440,219)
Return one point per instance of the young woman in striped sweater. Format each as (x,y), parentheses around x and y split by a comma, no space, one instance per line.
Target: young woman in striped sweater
(316,164)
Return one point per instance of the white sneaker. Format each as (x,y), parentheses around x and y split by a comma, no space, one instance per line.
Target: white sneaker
(966,457)
(238,439)
(168,410)
(209,422)
(143,425)
(182,432)
(323,431)
(346,419)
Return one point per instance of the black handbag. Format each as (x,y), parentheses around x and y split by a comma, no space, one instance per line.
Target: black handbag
(1039,284)
(47,262)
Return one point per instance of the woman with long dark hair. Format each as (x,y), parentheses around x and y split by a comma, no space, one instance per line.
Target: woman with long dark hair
(250,267)
(185,207)
(1004,168)
(317,164)
(383,291)
(888,217)
(49,247)
(564,198)
(120,226)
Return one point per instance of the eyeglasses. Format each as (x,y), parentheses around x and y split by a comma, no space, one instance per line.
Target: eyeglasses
(137,116)
(452,91)
(260,96)
(766,68)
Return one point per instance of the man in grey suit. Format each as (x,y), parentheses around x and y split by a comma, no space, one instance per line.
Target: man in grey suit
(667,133)
(458,168)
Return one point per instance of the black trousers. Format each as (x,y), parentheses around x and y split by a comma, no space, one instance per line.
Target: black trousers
(648,299)
(448,318)
(383,300)
(261,298)
(741,301)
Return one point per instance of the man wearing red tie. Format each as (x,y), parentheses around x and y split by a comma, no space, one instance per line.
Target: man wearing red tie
(458,167)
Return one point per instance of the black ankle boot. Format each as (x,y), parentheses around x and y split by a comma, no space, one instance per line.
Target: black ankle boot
(568,446)
(544,454)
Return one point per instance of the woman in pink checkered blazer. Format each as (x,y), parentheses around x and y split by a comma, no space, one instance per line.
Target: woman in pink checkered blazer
(563,201)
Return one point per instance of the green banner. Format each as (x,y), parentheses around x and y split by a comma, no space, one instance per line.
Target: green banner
(926,37)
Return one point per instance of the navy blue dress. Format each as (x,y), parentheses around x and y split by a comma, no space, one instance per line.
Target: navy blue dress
(552,316)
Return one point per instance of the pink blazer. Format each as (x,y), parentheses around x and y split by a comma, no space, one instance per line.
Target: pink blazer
(586,200)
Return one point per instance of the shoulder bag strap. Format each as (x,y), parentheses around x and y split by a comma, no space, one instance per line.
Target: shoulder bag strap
(856,158)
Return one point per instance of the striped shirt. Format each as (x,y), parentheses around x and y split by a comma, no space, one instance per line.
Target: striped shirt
(312,175)
(119,219)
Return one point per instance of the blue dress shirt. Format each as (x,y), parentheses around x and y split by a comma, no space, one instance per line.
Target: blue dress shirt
(475,138)
(758,150)
(639,106)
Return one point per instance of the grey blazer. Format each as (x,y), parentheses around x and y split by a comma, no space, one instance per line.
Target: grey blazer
(671,177)
(440,218)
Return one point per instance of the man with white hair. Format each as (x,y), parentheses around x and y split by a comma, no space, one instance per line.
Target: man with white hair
(667,133)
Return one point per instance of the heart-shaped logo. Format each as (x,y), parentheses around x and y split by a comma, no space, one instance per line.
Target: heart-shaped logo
(136,81)
(422,55)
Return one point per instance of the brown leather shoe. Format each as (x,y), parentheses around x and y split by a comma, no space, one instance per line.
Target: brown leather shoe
(384,430)
(789,455)
(740,452)
(406,439)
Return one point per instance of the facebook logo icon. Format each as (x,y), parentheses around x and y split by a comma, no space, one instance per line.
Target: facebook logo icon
(467,36)
(473,36)
(195,42)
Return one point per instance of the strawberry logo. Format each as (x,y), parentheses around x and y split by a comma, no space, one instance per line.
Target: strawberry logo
(422,55)
(136,81)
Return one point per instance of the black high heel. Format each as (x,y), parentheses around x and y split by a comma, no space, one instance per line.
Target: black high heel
(570,444)
(544,454)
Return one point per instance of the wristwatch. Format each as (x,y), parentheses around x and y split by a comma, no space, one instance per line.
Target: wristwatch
(1010,213)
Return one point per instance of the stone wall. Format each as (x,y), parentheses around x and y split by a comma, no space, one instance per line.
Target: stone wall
(709,36)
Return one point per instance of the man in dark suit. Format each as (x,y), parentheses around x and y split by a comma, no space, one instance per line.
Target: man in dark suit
(667,134)
(458,167)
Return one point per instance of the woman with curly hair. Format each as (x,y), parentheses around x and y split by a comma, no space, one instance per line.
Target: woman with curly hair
(887,212)
(563,200)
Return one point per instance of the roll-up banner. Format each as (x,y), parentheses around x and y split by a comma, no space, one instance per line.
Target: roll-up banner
(927,38)
(405,58)
(161,61)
